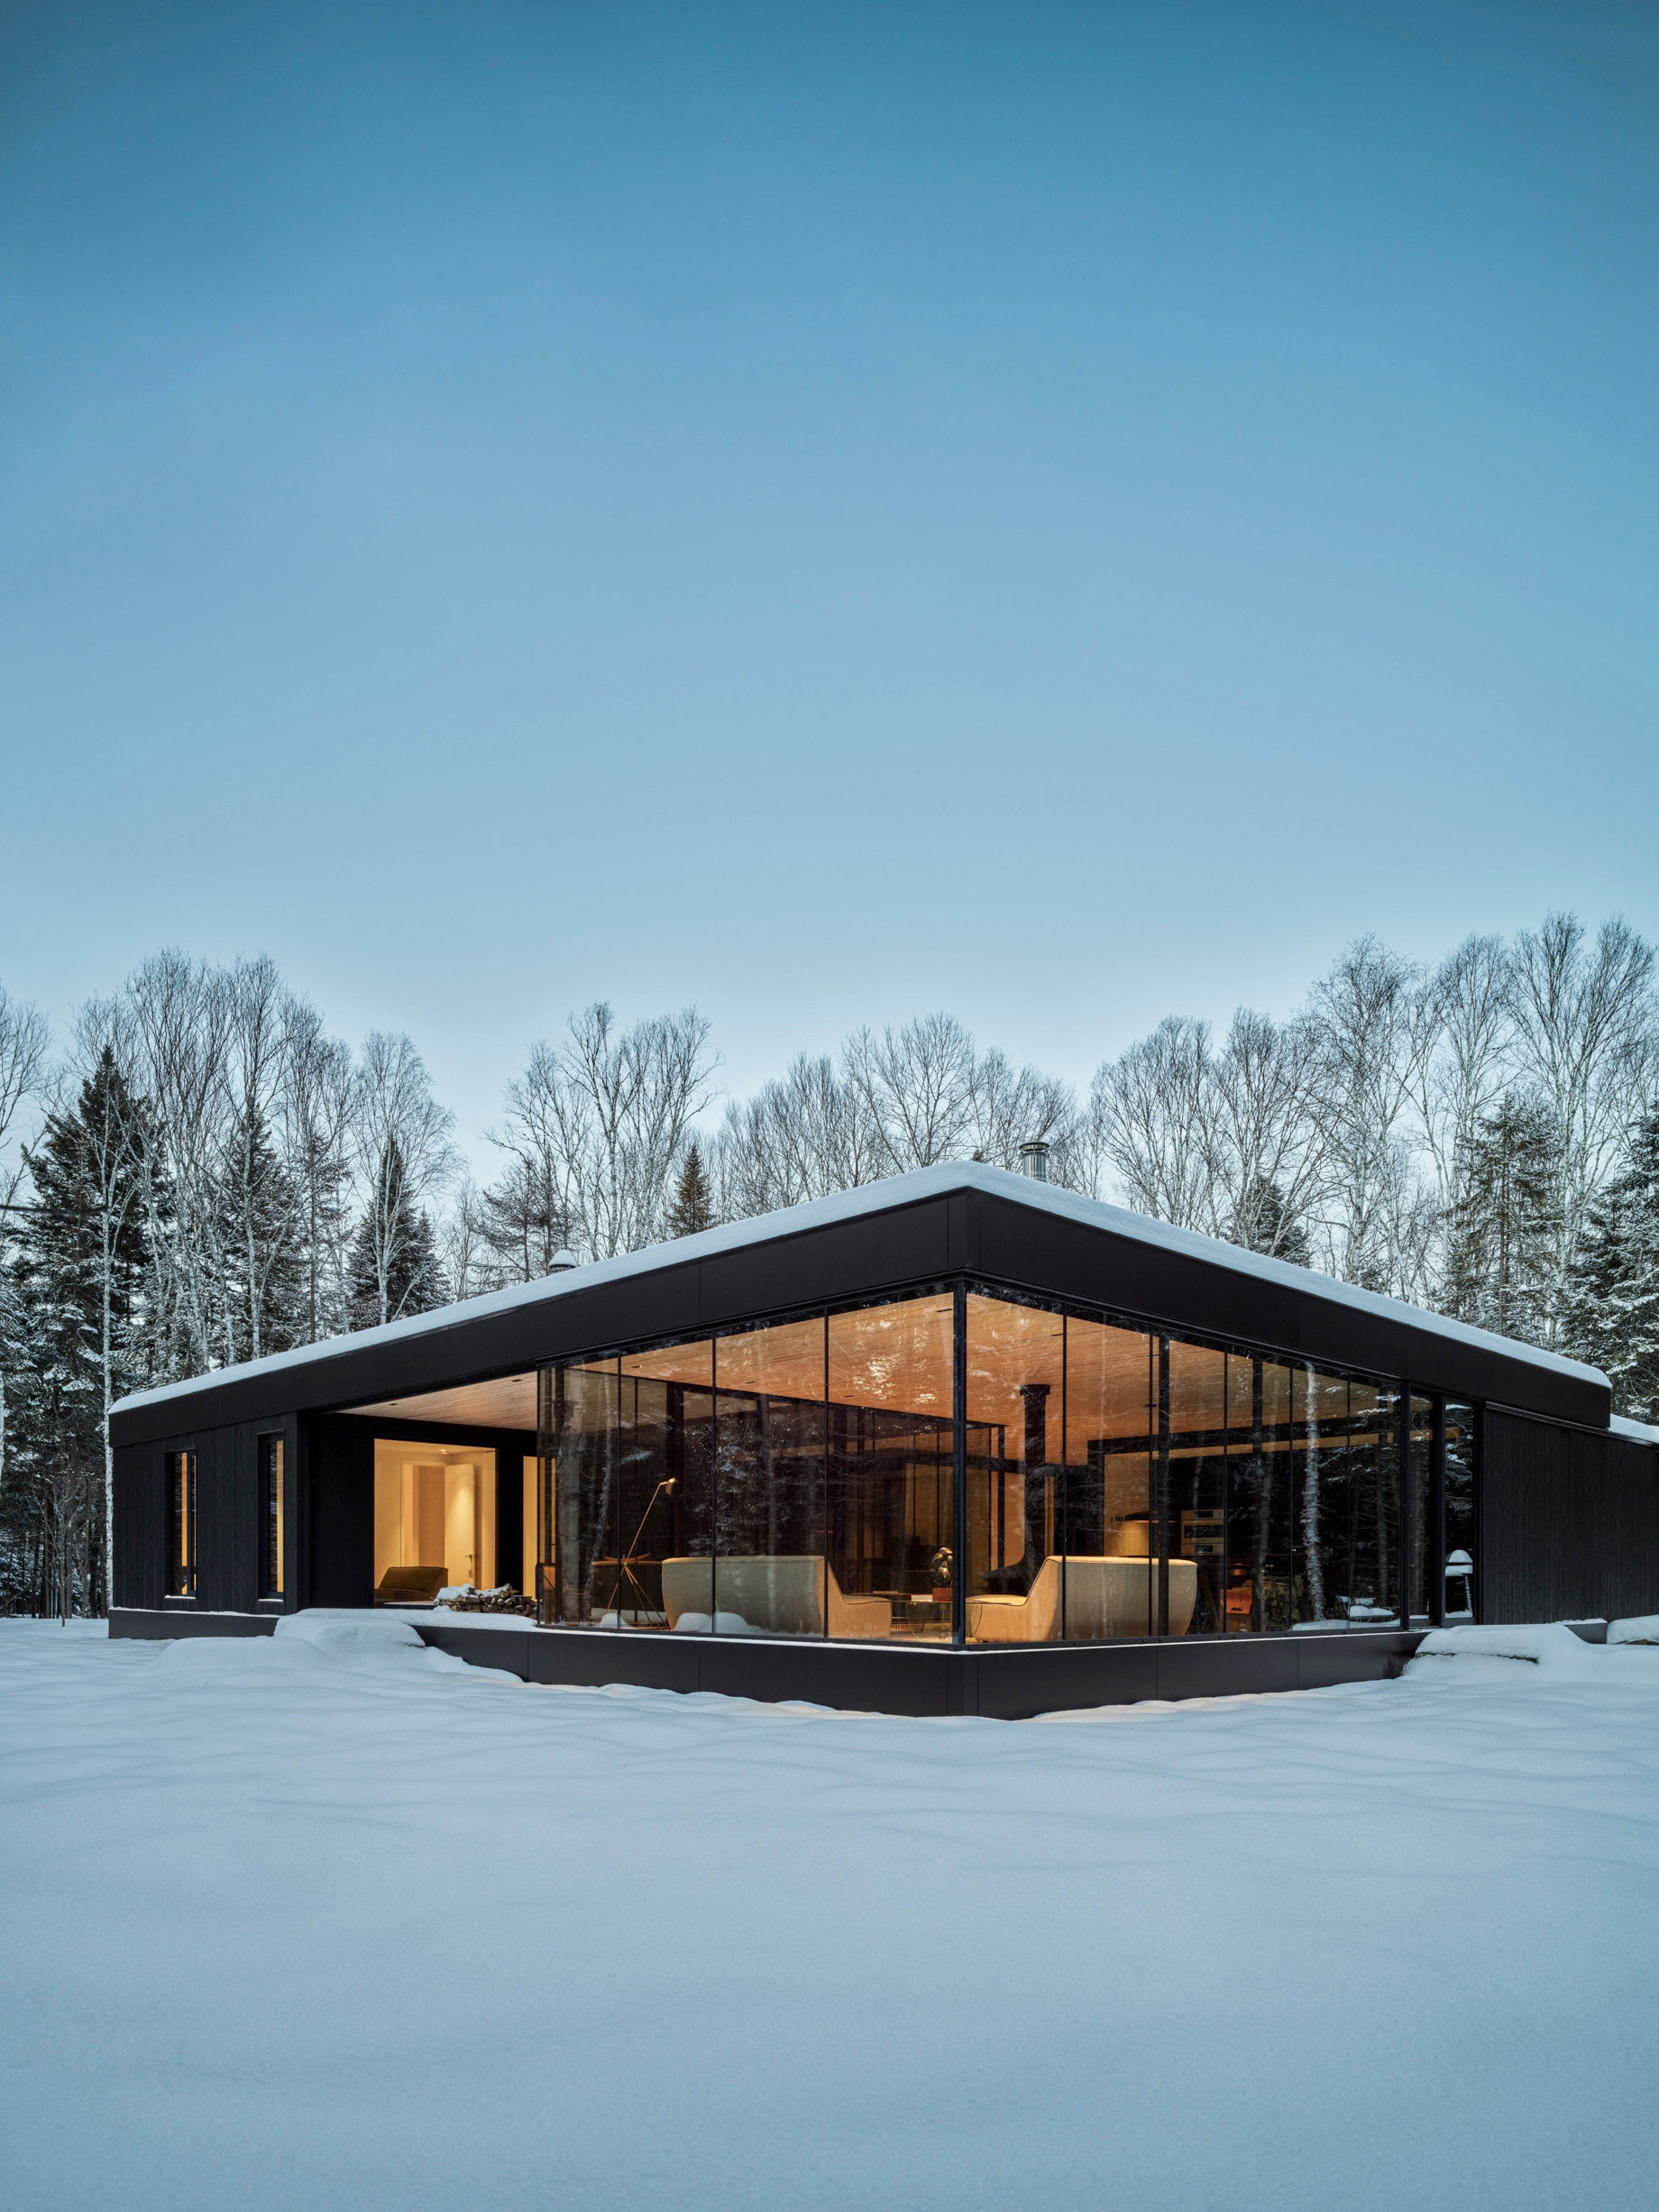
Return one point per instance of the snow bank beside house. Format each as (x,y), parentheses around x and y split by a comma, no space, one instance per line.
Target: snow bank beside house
(1643,1630)
(355,1638)
(1551,1646)
(356,1931)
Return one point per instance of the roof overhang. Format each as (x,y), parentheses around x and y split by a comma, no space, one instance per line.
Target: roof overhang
(938,1222)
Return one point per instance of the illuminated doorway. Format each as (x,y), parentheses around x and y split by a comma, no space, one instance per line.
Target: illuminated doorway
(435,1507)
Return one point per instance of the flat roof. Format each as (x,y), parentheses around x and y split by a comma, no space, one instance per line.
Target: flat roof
(851,1206)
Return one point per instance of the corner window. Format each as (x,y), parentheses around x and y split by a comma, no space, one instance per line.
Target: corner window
(182,1524)
(1461,1527)
(271,1535)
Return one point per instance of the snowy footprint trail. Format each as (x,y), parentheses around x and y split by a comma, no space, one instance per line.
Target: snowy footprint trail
(339,1920)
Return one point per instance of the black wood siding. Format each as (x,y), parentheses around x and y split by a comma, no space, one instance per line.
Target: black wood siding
(140,1524)
(1569,1523)
(227,1519)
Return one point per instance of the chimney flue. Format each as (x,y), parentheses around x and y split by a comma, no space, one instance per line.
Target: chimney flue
(1034,1160)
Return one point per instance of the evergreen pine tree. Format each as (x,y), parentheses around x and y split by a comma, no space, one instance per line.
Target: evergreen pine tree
(78,1281)
(523,1222)
(1612,1302)
(263,1241)
(1260,1223)
(403,1246)
(1501,1251)
(694,1201)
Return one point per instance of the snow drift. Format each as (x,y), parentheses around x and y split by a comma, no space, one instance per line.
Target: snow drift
(331,1919)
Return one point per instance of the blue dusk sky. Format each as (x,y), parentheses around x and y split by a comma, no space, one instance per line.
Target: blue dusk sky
(1063,514)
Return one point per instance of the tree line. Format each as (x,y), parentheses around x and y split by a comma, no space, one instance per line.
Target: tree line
(205,1175)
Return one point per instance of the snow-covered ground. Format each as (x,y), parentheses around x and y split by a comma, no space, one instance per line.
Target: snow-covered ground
(340,1924)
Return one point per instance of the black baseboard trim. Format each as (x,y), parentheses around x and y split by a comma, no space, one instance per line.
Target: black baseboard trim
(185,1621)
(1009,1683)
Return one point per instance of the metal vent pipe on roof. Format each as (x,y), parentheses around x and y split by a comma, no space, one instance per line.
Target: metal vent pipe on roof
(1034,1160)
(561,1263)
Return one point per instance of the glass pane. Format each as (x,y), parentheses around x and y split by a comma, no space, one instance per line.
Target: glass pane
(1015,1481)
(666,1513)
(1109,1585)
(771,1574)
(530,1472)
(271,1539)
(1460,1526)
(1420,1462)
(1260,1558)
(583,1421)
(1191,1586)
(1323,1498)
(626,1457)
(182,1524)
(1364,1573)
(889,1526)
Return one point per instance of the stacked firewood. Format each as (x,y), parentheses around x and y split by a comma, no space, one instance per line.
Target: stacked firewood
(506,1600)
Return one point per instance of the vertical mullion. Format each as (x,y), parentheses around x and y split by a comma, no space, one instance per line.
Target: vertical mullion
(958,1461)
(1406,1502)
(823,1490)
(1065,1467)
(1434,1566)
(714,1482)
(1262,1497)
(1162,1478)
(1224,1570)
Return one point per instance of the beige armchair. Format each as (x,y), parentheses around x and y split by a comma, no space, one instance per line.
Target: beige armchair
(1104,1597)
(793,1594)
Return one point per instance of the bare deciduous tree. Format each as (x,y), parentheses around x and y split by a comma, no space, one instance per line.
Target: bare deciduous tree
(1585,1044)
(1374,1018)
(596,1125)
(400,1149)
(1151,1120)
(315,1105)
(915,1089)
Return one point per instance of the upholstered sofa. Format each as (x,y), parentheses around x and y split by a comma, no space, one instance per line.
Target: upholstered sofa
(790,1595)
(411,1585)
(1104,1597)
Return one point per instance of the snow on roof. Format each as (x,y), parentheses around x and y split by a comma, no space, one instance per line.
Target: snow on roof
(884,1196)
(1638,1432)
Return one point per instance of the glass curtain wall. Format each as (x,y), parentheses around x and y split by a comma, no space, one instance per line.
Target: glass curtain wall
(1124,1484)
(788,1480)
(799,1479)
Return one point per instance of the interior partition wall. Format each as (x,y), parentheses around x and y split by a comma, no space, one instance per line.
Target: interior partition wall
(966,1462)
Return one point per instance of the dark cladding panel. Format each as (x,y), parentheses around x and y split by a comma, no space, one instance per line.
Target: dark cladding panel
(226,1518)
(666,1301)
(340,1512)
(1569,1521)
(1069,1259)
(140,1524)
(1074,1260)
(869,1256)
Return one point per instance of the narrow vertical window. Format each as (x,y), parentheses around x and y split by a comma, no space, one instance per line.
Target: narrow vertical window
(182,1525)
(270,1517)
(1461,1520)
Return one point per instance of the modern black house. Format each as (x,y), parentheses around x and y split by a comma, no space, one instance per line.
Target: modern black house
(958,1442)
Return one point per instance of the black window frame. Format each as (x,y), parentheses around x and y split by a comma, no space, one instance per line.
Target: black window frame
(181,1542)
(272,1496)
